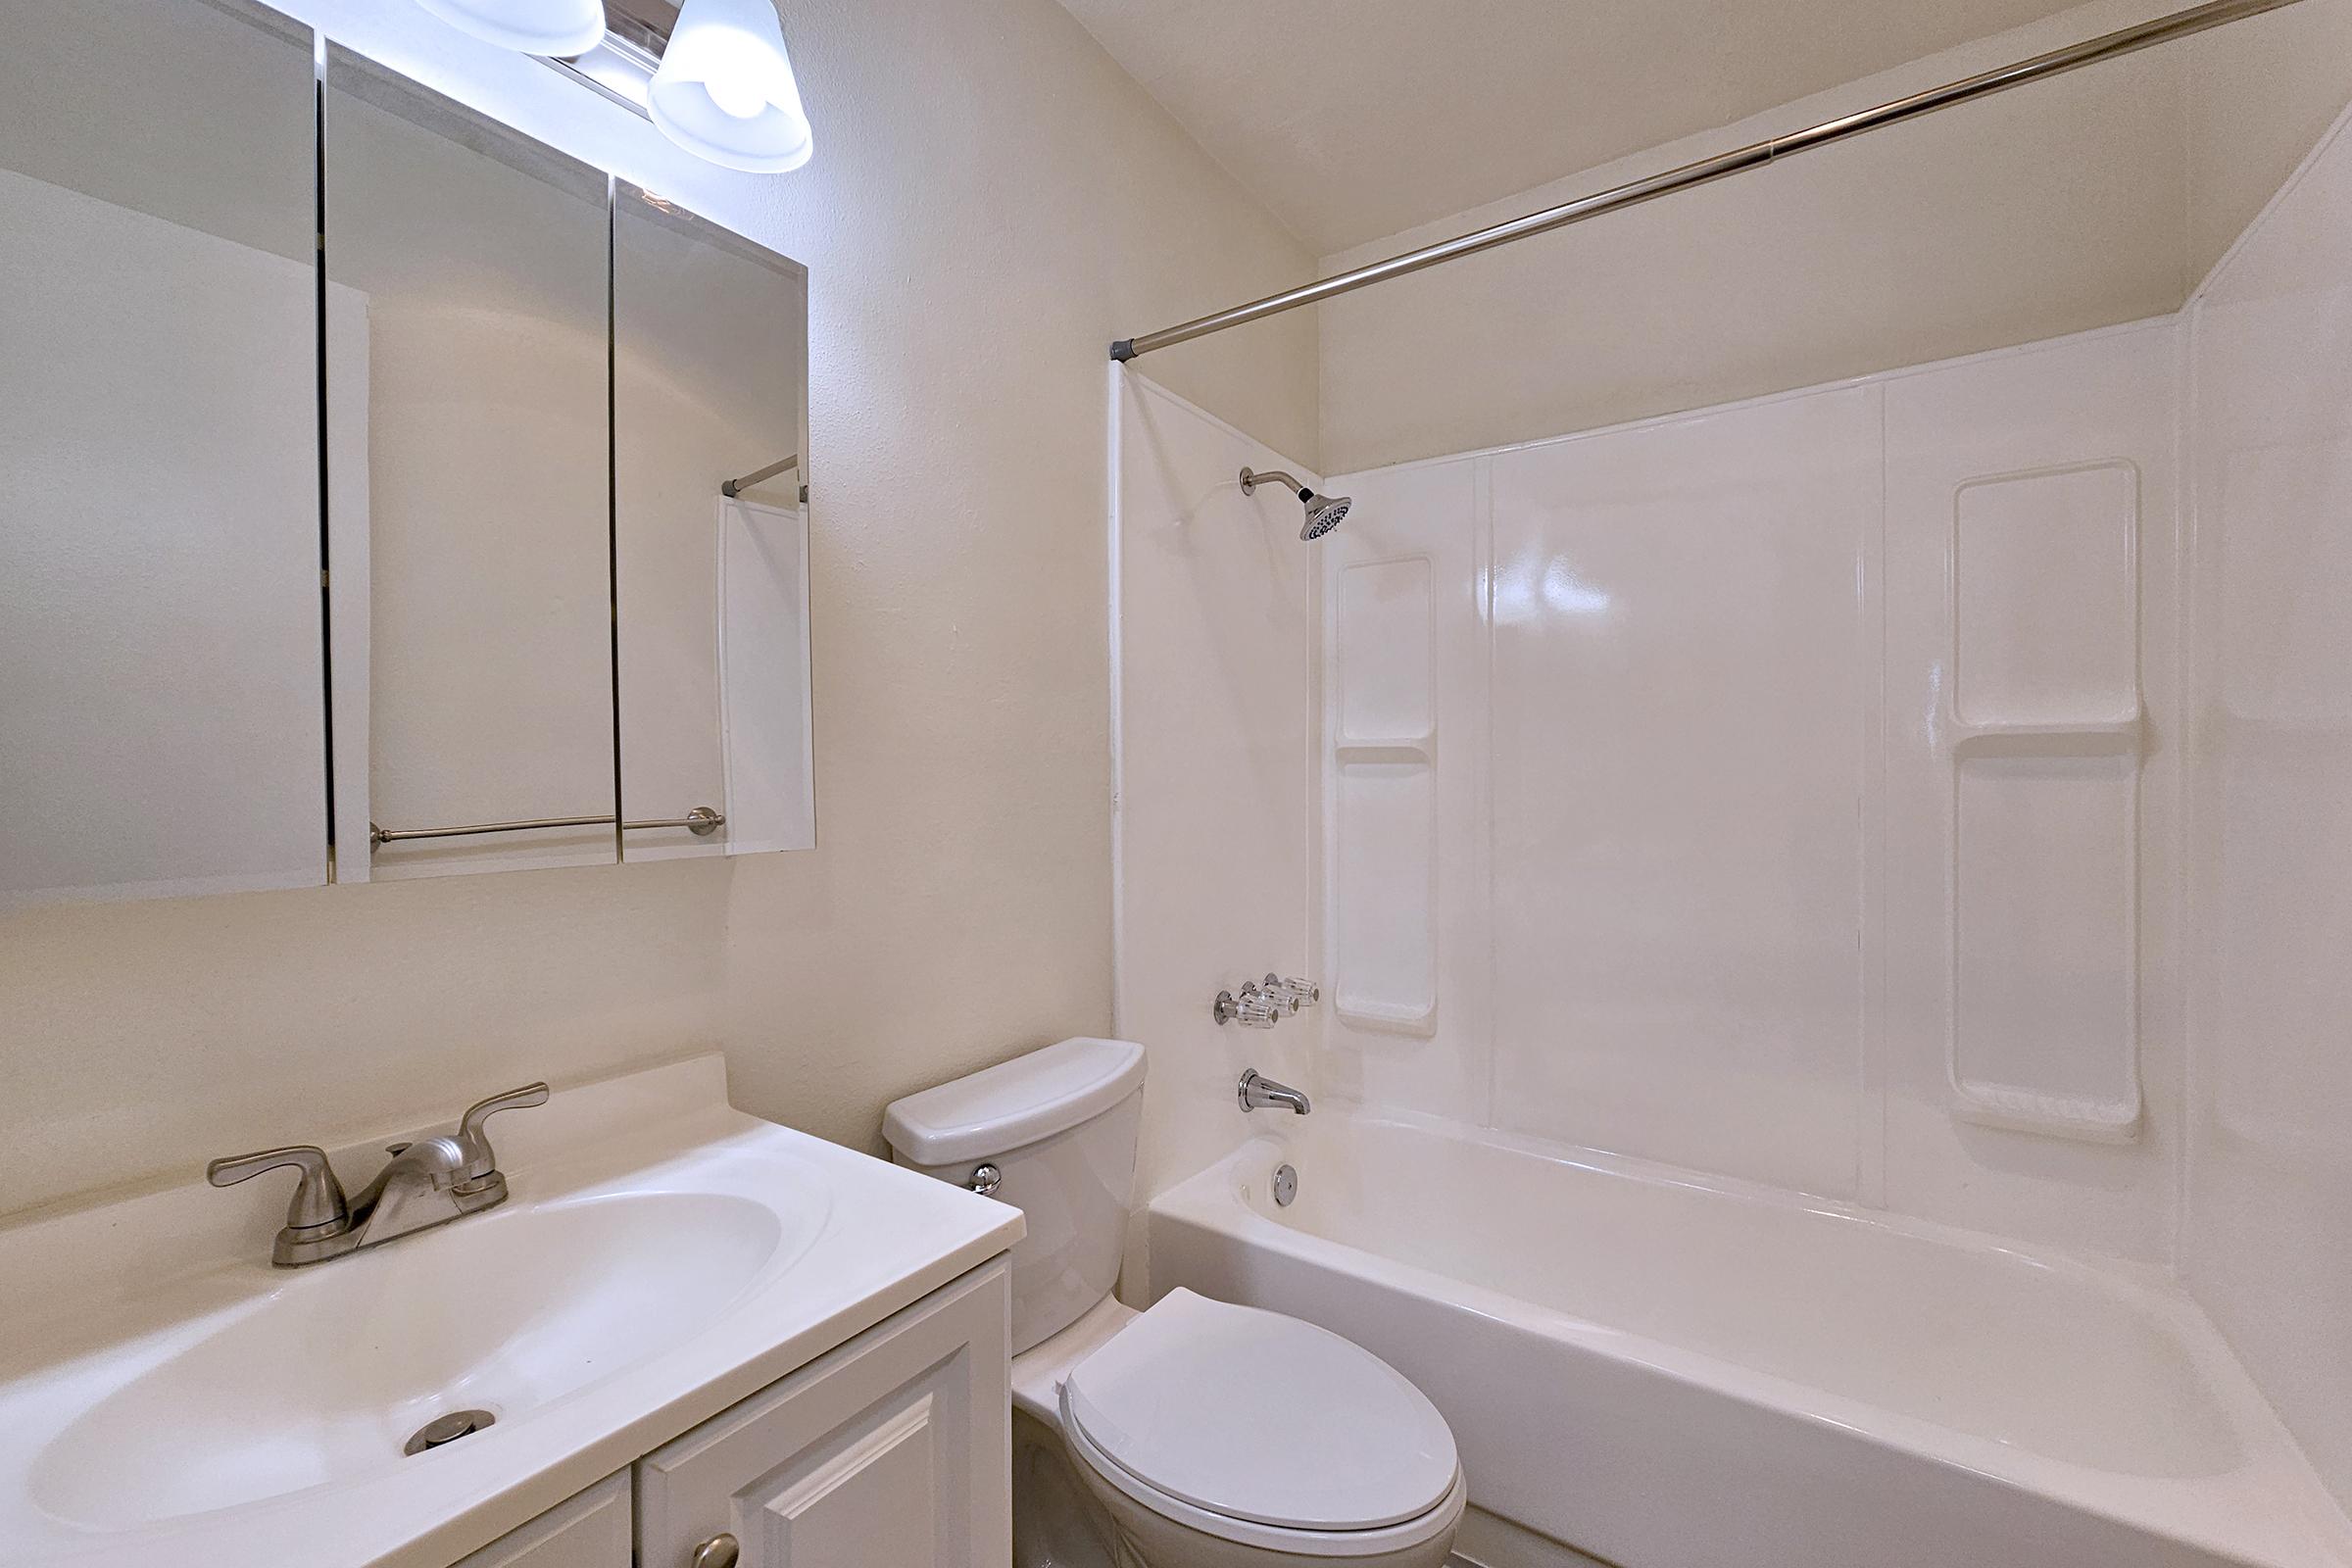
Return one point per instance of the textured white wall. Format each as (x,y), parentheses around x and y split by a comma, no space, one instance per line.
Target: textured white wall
(2270,1152)
(2096,199)
(992,201)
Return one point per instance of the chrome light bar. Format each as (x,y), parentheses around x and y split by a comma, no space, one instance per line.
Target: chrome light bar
(636,35)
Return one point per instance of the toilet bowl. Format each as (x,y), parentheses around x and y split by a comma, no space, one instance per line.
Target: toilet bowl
(1194,1433)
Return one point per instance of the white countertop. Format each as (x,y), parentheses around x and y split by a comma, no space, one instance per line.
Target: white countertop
(106,1302)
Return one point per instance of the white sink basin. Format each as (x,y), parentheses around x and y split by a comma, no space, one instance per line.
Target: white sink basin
(325,1379)
(167,1397)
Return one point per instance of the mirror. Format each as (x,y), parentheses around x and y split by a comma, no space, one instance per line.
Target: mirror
(710,355)
(468,437)
(161,728)
(382,494)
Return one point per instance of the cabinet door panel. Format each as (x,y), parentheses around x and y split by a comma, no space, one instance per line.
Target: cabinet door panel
(893,1451)
(590,1531)
(868,1493)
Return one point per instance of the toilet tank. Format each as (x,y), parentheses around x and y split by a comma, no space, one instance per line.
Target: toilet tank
(1060,1124)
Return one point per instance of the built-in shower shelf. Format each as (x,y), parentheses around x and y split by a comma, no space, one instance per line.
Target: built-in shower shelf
(1391,749)
(1383,1018)
(2097,737)
(2104,1121)
(2045,729)
(1382,723)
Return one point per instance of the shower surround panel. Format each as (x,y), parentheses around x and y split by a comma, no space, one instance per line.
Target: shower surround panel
(1784,790)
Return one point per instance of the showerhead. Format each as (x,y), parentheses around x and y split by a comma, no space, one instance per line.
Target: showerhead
(1323,513)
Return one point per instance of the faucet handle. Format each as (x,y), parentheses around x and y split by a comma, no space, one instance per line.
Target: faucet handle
(1251,1009)
(1292,993)
(317,1204)
(481,1160)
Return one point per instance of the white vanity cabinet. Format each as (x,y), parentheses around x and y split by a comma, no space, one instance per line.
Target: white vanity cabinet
(892,1451)
(591,1531)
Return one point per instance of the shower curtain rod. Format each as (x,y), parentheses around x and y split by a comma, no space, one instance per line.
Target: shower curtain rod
(2056,62)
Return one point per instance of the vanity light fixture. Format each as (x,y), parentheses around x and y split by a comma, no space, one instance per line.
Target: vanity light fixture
(553,27)
(726,89)
(712,75)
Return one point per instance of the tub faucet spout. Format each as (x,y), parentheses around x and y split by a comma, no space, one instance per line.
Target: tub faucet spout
(1265,1093)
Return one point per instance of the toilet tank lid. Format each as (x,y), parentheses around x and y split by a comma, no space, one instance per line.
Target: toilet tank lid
(999,1108)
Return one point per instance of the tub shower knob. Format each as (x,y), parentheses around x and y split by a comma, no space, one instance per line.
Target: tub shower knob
(1292,993)
(1253,1008)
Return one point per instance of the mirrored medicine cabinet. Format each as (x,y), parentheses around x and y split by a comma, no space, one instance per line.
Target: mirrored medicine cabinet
(382,493)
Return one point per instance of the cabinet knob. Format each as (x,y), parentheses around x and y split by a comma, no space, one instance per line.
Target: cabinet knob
(719,1551)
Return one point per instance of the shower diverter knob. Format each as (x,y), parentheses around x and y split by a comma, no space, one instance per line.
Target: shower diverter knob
(1293,994)
(1253,1008)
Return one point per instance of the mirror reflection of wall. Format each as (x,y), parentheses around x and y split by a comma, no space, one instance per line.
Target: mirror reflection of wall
(161,728)
(709,367)
(467,265)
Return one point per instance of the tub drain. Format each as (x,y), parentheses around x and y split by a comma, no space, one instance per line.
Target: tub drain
(448,1429)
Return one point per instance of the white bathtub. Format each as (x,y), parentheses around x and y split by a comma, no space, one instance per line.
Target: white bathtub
(1672,1372)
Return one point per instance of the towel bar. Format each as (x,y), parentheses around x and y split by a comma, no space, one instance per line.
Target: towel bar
(702,822)
(735,487)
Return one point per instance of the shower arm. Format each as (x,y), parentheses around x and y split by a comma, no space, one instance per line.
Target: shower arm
(2057,62)
(1251,480)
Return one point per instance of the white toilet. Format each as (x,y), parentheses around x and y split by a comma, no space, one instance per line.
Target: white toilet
(1195,1433)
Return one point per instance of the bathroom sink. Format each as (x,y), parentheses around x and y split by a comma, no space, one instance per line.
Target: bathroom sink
(167,1395)
(327,1377)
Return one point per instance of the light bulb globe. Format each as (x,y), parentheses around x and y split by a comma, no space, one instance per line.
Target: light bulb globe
(555,28)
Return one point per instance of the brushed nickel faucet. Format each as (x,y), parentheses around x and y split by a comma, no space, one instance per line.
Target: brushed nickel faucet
(427,1183)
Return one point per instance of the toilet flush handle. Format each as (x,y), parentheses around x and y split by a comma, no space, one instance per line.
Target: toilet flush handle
(986,1180)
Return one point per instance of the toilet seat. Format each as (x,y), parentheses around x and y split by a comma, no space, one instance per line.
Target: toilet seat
(1264,1430)
(1441,1520)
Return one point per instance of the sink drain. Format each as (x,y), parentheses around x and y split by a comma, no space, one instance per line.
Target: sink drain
(448,1429)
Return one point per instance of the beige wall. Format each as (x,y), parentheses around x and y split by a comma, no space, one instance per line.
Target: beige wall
(995,202)
(2069,205)
(2260,96)
(992,201)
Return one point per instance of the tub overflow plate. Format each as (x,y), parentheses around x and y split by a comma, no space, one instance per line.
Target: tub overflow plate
(1285,1183)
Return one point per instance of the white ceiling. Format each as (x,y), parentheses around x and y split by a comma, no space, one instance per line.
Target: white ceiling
(1354,118)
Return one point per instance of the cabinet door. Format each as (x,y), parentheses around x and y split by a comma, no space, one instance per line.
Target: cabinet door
(893,1452)
(590,1531)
